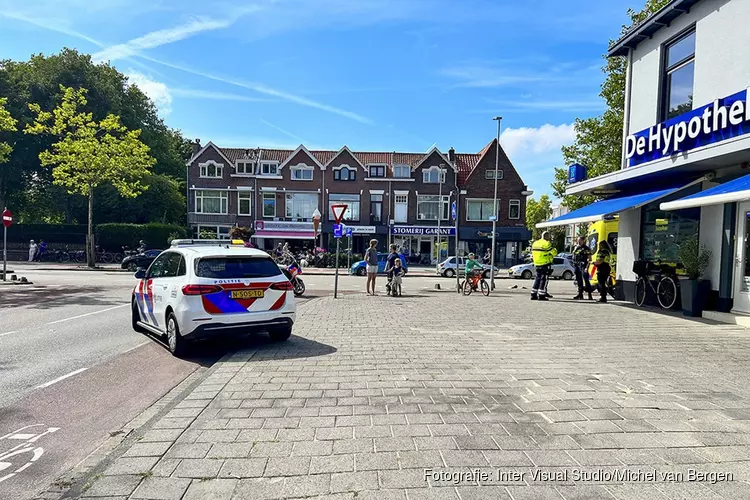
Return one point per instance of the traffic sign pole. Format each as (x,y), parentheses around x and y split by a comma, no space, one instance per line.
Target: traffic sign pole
(338,214)
(7,221)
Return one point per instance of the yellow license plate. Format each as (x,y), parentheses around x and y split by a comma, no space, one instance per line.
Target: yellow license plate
(246,294)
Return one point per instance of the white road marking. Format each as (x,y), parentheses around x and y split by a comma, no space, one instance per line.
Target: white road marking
(7,333)
(58,379)
(136,347)
(88,314)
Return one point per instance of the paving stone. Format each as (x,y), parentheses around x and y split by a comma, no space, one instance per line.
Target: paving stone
(131,465)
(310,448)
(259,489)
(375,461)
(432,494)
(353,446)
(417,459)
(333,463)
(161,488)
(289,466)
(114,486)
(470,458)
(406,478)
(307,486)
(242,468)
(156,449)
(394,444)
(507,458)
(354,481)
(483,493)
(230,450)
(476,443)
(435,443)
(215,489)
(198,468)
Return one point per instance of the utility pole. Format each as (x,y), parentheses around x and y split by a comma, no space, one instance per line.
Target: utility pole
(498,119)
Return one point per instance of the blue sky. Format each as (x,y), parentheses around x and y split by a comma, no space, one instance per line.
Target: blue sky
(373,74)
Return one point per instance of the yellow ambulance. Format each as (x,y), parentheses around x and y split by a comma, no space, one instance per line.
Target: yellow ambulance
(603,230)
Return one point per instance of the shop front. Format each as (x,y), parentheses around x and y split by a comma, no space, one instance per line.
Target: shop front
(508,247)
(298,235)
(360,238)
(420,244)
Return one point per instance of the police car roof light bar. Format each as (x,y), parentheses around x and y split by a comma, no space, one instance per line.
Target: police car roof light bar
(190,242)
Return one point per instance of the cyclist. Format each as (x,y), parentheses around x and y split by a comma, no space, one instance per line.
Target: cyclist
(603,269)
(473,269)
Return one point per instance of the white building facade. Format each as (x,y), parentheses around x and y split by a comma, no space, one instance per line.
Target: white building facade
(686,146)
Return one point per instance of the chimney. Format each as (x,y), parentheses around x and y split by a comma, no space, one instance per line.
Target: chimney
(452,155)
(196,146)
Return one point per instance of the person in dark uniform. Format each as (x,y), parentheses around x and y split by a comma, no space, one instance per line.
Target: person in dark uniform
(581,258)
(603,269)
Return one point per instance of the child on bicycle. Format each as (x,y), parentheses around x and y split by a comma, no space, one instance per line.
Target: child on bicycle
(396,272)
(473,269)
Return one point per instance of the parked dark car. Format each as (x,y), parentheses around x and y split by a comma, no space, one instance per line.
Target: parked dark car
(141,260)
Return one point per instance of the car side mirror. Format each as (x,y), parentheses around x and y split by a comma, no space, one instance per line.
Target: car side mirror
(140,274)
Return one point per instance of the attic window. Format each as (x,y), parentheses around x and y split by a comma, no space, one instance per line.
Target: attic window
(402,171)
(490,174)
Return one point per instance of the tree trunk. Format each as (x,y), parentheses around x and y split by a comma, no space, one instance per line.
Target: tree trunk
(90,248)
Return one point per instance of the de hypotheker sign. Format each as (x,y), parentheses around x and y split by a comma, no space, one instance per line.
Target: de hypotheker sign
(721,120)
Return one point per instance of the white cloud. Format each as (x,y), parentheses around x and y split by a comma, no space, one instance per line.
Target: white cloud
(156,91)
(159,38)
(528,141)
(216,96)
(571,105)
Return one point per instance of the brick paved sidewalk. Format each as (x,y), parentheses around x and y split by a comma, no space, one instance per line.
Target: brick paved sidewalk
(374,390)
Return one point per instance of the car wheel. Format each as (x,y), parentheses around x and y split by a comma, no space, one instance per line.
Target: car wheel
(361,271)
(281,334)
(175,342)
(526,275)
(135,317)
(567,275)
(449,273)
(132,267)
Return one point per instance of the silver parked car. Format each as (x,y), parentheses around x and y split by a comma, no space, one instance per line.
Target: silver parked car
(447,268)
(561,268)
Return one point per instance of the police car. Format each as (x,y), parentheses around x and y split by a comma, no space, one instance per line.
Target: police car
(203,288)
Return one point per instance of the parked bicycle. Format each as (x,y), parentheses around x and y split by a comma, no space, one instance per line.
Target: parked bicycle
(667,284)
(476,282)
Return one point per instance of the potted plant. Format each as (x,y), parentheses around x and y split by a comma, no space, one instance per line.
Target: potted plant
(694,290)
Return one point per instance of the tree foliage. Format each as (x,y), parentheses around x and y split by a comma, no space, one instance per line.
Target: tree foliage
(536,212)
(7,124)
(598,143)
(28,185)
(87,153)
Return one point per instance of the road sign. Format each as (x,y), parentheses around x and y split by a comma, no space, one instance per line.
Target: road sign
(337,230)
(453,210)
(493,218)
(338,212)
(349,231)
(7,218)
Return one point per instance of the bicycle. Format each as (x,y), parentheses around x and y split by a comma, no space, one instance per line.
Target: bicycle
(476,282)
(667,288)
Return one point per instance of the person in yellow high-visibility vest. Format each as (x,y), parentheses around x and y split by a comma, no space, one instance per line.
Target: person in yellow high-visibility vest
(543,254)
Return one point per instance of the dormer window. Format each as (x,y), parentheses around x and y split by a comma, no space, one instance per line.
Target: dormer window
(376,170)
(211,169)
(402,171)
(344,173)
(433,175)
(302,173)
(269,168)
(245,167)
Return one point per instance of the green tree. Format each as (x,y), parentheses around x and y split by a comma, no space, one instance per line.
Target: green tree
(27,183)
(598,143)
(7,124)
(536,212)
(89,153)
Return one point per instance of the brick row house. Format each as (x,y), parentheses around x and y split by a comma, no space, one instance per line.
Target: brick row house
(393,197)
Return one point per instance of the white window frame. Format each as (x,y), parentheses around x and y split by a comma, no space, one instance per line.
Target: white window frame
(351,170)
(269,164)
(245,195)
(347,213)
(512,203)
(445,215)
(302,168)
(481,200)
(214,229)
(385,170)
(426,172)
(303,217)
(268,195)
(396,196)
(223,203)
(490,174)
(218,170)
(244,164)
(407,168)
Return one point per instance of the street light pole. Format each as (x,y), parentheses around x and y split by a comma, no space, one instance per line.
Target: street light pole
(440,209)
(498,119)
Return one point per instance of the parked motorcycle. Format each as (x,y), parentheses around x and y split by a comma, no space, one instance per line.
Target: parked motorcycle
(292,272)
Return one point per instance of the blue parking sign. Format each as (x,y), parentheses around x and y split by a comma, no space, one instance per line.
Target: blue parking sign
(337,231)
(453,210)
(348,232)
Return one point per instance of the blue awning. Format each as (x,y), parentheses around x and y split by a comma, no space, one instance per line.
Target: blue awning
(604,208)
(735,190)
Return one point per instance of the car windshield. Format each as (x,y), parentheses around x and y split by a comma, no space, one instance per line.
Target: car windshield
(236,267)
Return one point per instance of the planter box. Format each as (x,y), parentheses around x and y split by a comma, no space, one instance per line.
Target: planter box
(694,295)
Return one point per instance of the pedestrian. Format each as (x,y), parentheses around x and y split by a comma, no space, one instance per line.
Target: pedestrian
(142,247)
(32,250)
(581,259)
(41,250)
(603,269)
(279,250)
(390,263)
(397,272)
(543,254)
(371,259)
(487,256)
